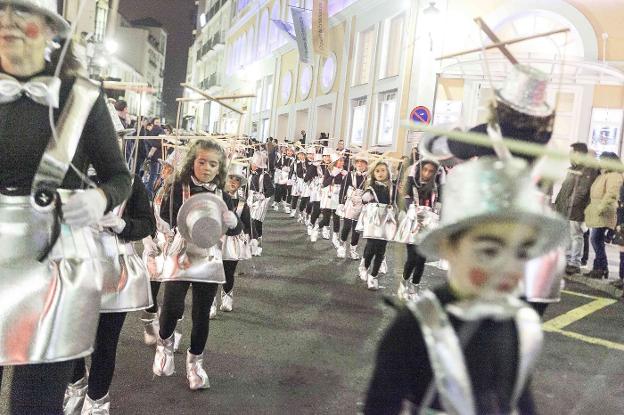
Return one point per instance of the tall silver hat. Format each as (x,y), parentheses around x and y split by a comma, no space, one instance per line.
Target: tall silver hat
(238,170)
(487,190)
(525,90)
(200,219)
(46,8)
(260,159)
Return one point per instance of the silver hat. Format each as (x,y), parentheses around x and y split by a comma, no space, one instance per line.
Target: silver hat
(525,90)
(238,170)
(200,219)
(46,8)
(260,159)
(488,189)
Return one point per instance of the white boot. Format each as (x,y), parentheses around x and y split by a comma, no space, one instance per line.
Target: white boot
(314,234)
(195,372)
(336,241)
(99,407)
(286,208)
(325,232)
(310,228)
(150,328)
(227,301)
(177,337)
(74,398)
(363,271)
(164,364)
(372,283)
(213,310)
(341,251)
(275,206)
(293,212)
(383,269)
(353,252)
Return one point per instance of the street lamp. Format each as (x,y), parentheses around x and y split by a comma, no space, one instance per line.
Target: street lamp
(111,46)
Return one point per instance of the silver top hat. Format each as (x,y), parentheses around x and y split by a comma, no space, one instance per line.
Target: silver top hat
(238,170)
(525,90)
(328,151)
(260,159)
(47,8)
(200,219)
(361,156)
(488,189)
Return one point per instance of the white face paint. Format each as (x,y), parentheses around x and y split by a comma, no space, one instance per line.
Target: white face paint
(488,261)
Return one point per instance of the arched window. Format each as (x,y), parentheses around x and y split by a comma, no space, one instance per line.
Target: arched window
(273,30)
(250,45)
(263,33)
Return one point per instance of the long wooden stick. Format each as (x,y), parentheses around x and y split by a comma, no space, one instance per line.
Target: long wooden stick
(211,98)
(504,43)
(490,33)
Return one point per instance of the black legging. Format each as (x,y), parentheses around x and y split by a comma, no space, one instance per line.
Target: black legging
(316,212)
(281,191)
(173,307)
(103,357)
(349,225)
(304,204)
(39,389)
(288,197)
(293,203)
(330,214)
(155,286)
(257,229)
(375,248)
(229,267)
(414,265)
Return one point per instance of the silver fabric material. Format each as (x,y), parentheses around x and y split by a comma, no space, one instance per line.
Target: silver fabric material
(200,219)
(47,8)
(43,90)
(378,221)
(236,248)
(258,205)
(315,189)
(74,398)
(353,209)
(58,155)
(195,372)
(417,221)
(543,277)
(525,90)
(298,187)
(330,196)
(281,175)
(487,190)
(54,305)
(187,262)
(164,362)
(125,277)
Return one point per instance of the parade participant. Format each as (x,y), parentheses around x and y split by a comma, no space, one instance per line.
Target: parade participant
(305,207)
(315,177)
(420,190)
(283,185)
(378,190)
(203,170)
(297,176)
(260,192)
(470,345)
(91,396)
(351,197)
(280,153)
(332,183)
(235,248)
(37,172)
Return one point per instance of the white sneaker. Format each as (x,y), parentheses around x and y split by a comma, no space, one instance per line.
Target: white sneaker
(177,337)
(293,212)
(286,208)
(310,228)
(74,398)
(362,271)
(99,407)
(213,311)
(314,234)
(150,328)
(341,251)
(227,301)
(383,269)
(336,241)
(372,283)
(353,253)
(325,232)
(195,372)
(275,206)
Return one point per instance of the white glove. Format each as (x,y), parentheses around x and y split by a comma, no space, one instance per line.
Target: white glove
(367,197)
(150,247)
(230,220)
(335,171)
(344,172)
(85,208)
(112,221)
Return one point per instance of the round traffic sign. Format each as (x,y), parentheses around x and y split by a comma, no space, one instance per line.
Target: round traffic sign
(421,114)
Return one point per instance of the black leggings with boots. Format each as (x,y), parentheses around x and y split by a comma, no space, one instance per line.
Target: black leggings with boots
(349,226)
(304,203)
(374,253)
(316,212)
(330,214)
(230,268)
(414,265)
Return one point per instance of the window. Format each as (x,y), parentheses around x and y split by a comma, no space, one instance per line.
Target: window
(363,56)
(263,33)
(101,13)
(358,121)
(387,112)
(286,87)
(273,30)
(268,95)
(391,52)
(328,73)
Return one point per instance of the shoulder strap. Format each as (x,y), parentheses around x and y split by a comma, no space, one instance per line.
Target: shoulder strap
(374,194)
(445,355)
(59,154)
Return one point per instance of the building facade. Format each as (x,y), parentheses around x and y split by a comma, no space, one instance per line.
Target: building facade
(383,63)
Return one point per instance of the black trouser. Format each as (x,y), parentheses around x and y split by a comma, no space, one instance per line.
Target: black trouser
(288,197)
(230,268)
(39,389)
(257,229)
(155,286)
(330,214)
(293,203)
(281,191)
(316,212)
(414,265)
(103,357)
(585,247)
(374,249)
(304,204)
(349,225)
(173,308)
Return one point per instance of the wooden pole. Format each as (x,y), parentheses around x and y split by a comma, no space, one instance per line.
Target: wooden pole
(211,98)
(490,33)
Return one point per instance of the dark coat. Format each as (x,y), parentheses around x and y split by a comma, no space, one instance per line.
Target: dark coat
(138,214)
(573,197)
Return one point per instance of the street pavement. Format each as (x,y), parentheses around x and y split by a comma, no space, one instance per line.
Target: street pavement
(303,333)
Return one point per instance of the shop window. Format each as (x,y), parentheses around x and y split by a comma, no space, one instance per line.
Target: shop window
(364,51)
(385,123)
(358,121)
(391,50)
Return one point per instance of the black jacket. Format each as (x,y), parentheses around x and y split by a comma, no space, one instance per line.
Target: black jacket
(382,191)
(268,189)
(573,197)
(328,179)
(300,169)
(348,183)
(138,214)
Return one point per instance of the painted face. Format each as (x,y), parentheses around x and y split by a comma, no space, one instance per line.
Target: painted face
(340,163)
(22,32)
(427,171)
(381,173)
(310,157)
(206,165)
(361,166)
(301,156)
(326,159)
(233,184)
(488,261)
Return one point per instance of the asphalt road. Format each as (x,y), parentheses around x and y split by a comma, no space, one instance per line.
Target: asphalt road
(303,333)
